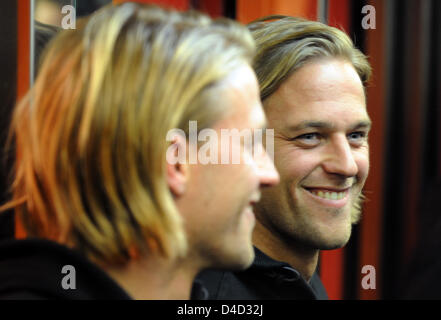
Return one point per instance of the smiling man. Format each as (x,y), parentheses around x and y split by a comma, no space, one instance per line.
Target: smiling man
(312,81)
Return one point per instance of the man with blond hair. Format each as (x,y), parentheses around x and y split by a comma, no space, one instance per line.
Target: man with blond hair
(106,213)
(312,82)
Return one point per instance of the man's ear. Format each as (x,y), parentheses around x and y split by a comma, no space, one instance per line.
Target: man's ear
(177,167)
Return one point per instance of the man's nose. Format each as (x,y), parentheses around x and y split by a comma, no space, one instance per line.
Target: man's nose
(340,158)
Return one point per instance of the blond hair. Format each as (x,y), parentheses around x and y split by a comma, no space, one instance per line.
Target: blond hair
(91,134)
(285,44)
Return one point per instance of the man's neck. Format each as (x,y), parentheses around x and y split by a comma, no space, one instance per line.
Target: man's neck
(302,259)
(155,279)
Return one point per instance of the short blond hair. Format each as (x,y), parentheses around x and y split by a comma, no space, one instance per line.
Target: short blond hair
(285,44)
(91,134)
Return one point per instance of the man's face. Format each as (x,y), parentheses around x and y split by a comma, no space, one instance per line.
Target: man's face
(222,222)
(322,155)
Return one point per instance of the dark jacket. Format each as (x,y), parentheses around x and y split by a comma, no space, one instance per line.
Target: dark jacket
(6,224)
(266,279)
(32,269)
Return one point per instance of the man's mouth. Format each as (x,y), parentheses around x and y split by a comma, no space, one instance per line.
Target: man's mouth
(329,193)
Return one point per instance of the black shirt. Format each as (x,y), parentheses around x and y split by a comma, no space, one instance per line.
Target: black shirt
(266,279)
(33,269)
(6,224)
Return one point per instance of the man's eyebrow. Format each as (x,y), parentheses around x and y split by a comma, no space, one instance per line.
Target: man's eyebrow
(326,125)
(366,124)
(310,124)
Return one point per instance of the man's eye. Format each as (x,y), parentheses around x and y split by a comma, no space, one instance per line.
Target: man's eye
(357,137)
(309,139)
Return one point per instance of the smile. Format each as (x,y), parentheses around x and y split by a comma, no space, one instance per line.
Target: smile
(333,198)
(330,195)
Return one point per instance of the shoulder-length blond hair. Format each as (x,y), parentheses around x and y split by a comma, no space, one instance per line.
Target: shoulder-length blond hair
(91,134)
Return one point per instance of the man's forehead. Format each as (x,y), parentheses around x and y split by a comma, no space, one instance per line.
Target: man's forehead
(326,117)
(310,97)
(294,116)
(240,95)
(242,116)
(322,79)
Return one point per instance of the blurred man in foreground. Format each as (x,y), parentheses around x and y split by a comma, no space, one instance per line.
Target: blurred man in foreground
(108,213)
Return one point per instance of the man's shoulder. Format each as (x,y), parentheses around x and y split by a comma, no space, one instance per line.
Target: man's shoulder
(6,225)
(39,269)
(318,287)
(212,281)
(265,279)
(227,285)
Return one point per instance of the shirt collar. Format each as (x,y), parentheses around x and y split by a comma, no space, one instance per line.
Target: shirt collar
(198,291)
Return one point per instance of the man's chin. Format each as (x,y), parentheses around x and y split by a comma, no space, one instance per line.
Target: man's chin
(234,262)
(243,262)
(332,244)
(325,241)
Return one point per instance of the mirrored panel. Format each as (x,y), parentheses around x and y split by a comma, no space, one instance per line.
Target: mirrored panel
(51,16)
